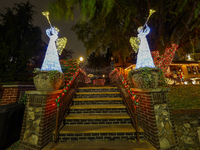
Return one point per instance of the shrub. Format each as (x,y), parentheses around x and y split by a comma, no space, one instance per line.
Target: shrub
(184,97)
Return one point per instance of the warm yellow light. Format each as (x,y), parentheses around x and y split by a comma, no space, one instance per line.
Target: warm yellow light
(57,29)
(183,64)
(61,43)
(46,14)
(151,11)
(129,67)
(81,58)
(90,75)
(103,75)
(135,42)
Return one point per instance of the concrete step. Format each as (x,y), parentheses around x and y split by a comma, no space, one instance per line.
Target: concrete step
(97,94)
(99,99)
(98,89)
(101,87)
(88,93)
(104,118)
(114,108)
(92,101)
(99,116)
(98,132)
(100,145)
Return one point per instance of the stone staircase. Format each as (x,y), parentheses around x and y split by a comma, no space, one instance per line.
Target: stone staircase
(98,113)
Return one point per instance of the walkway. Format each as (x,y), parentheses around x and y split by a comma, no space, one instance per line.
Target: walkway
(100,145)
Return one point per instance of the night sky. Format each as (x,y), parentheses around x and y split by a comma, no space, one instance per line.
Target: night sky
(64,27)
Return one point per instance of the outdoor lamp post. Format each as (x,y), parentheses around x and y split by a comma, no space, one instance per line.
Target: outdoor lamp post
(81,62)
(112,63)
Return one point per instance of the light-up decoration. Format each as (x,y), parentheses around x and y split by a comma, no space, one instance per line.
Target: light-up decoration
(189,57)
(164,60)
(51,60)
(135,42)
(67,87)
(126,86)
(151,11)
(61,43)
(144,58)
(46,14)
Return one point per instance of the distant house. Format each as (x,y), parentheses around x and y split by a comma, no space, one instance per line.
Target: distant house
(189,69)
(122,64)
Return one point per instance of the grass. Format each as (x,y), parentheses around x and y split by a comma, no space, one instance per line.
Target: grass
(184,97)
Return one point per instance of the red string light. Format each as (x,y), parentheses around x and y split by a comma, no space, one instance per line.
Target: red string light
(165,60)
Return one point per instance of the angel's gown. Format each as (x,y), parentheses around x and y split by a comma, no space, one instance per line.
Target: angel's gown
(51,60)
(144,58)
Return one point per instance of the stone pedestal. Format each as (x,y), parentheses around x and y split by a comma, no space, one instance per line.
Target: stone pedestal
(39,119)
(155,118)
(11,93)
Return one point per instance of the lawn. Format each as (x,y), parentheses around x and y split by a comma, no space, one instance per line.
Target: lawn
(184,97)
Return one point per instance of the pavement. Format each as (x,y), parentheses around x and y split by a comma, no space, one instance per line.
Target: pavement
(100,145)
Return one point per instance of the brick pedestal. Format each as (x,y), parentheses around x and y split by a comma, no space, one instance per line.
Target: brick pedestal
(39,120)
(155,118)
(11,93)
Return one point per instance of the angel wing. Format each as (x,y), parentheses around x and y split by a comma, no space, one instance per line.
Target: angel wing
(135,42)
(60,44)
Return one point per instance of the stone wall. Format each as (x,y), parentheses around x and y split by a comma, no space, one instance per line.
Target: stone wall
(155,118)
(165,127)
(39,120)
(11,93)
(187,124)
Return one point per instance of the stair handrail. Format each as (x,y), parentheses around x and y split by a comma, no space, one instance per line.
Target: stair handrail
(129,98)
(65,101)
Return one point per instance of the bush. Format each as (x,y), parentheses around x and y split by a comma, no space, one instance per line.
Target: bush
(147,78)
(184,97)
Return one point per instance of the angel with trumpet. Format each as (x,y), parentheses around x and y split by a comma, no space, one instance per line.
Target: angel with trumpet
(144,58)
(51,60)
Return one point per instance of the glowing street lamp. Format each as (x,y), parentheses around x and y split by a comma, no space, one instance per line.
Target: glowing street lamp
(81,62)
(81,59)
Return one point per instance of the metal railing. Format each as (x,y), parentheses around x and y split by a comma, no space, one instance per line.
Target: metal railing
(66,102)
(129,103)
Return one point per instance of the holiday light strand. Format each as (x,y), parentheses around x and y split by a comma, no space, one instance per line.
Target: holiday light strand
(164,60)
(67,87)
(126,86)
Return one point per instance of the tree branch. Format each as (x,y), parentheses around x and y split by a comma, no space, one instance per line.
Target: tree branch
(124,12)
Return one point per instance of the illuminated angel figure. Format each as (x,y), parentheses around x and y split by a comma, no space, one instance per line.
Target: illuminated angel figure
(144,58)
(51,60)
